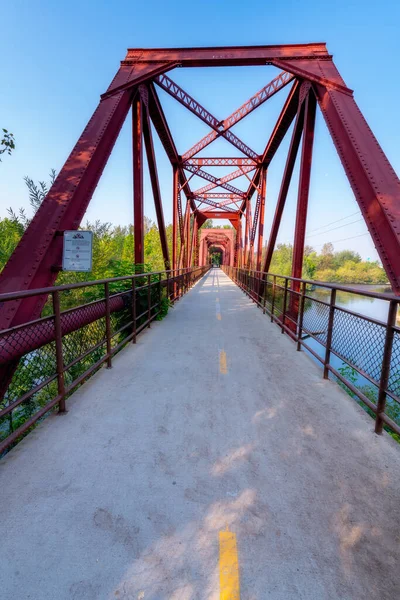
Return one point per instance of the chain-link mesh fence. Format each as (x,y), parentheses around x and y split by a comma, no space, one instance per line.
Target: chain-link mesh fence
(355,349)
(30,378)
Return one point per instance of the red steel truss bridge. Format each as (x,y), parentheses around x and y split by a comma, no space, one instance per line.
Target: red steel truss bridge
(210,427)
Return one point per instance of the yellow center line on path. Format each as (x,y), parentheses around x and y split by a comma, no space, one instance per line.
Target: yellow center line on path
(218,310)
(222,362)
(229,586)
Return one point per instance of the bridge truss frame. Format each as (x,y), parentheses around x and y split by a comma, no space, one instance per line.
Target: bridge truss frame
(315,81)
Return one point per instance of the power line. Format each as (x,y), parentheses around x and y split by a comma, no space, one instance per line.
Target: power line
(337,221)
(342,240)
(334,228)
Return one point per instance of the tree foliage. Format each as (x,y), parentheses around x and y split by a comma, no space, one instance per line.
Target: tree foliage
(7,143)
(345,266)
(113,249)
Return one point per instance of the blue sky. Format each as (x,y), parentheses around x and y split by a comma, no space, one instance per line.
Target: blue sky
(58,57)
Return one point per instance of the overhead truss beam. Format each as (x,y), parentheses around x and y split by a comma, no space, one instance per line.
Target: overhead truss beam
(254,102)
(174,90)
(220,162)
(215,181)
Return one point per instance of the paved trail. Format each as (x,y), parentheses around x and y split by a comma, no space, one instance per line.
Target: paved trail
(212,421)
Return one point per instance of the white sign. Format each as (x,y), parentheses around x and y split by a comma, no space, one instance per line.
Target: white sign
(77,251)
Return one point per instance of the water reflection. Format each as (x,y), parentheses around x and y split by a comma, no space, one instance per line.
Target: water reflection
(370,307)
(357,341)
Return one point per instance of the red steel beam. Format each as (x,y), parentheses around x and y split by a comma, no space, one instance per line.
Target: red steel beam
(222,181)
(151,160)
(282,125)
(183,247)
(161,126)
(375,184)
(138,206)
(247,232)
(254,102)
(221,195)
(197,109)
(208,214)
(228,55)
(175,186)
(35,261)
(188,238)
(304,186)
(261,219)
(287,175)
(210,202)
(220,162)
(193,244)
(215,181)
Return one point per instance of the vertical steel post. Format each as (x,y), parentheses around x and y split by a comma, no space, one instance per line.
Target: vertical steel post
(385,372)
(59,352)
(273,298)
(283,192)
(196,241)
(284,305)
(304,187)
(149,299)
(331,317)
(188,238)
(175,217)
(301,315)
(108,324)
(246,233)
(168,292)
(261,217)
(264,288)
(159,291)
(138,212)
(151,160)
(134,310)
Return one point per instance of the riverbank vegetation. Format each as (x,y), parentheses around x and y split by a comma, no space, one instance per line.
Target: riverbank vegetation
(345,266)
(113,249)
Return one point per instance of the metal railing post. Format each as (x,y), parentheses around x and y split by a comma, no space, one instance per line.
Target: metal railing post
(59,352)
(284,305)
(273,299)
(265,289)
(167,286)
(149,299)
(108,324)
(134,310)
(301,315)
(385,372)
(330,333)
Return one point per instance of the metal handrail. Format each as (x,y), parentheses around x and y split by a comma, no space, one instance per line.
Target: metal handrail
(33,335)
(290,318)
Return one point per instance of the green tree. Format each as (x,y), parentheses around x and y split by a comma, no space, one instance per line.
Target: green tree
(11,231)
(208,224)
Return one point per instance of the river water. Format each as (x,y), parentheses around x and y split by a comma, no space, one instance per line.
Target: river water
(370,307)
(357,341)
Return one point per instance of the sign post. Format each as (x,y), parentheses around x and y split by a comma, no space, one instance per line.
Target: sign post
(77,251)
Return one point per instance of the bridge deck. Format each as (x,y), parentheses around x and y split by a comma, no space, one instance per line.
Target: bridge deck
(124,497)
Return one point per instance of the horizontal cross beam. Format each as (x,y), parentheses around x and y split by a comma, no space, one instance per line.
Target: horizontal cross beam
(220,195)
(220,162)
(222,181)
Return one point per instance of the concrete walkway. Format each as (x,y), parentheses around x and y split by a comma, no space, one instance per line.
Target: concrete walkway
(212,420)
